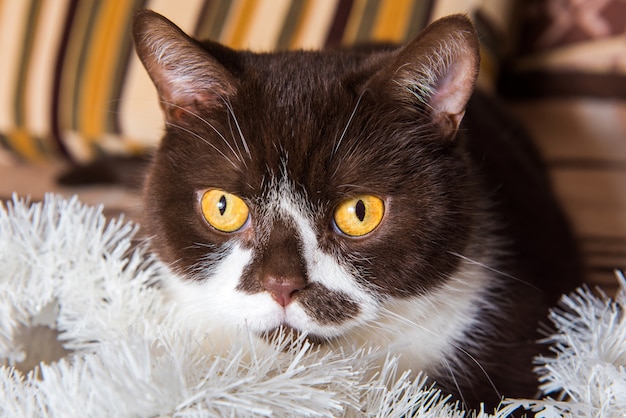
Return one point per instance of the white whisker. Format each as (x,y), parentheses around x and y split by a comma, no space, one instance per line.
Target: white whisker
(232,135)
(210,125)
(454,379)
(202,139)
(241,136)
(345,129)
(486,267)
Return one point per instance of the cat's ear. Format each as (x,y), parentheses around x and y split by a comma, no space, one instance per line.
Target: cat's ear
(187,77)
(437,71)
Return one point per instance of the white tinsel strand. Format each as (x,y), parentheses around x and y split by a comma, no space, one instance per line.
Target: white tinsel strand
(587,371)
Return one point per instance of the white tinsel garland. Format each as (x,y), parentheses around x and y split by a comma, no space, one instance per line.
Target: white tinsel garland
(130,354)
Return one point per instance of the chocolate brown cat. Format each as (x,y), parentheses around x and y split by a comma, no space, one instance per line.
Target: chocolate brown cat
(359,196)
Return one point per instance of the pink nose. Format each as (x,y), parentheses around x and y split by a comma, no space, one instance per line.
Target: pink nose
(283,289)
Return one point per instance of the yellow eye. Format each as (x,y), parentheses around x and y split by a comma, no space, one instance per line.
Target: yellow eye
(224,211)
(359,215)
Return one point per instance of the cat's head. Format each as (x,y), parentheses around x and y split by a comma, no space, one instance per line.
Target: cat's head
(308,189)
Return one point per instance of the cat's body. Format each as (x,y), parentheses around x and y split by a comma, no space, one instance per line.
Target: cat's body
(334,194)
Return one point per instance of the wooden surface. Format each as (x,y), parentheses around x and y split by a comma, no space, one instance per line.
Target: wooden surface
(35,181)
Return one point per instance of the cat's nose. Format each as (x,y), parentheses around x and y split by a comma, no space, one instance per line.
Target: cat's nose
(283,289)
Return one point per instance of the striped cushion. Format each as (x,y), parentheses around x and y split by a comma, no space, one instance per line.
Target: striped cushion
(71,87)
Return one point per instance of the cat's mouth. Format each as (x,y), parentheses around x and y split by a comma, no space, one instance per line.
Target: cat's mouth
(316,314)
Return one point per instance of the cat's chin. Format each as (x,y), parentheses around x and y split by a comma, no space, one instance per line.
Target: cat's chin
(288,336)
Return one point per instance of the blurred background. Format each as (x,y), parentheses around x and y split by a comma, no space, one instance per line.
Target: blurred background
(72,90)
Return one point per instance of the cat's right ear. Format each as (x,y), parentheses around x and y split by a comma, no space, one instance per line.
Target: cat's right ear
(188,79)
(436,72)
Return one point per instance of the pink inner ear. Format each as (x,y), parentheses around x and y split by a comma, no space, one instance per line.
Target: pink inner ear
(454,87)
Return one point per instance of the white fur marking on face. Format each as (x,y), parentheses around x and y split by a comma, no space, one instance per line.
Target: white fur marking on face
(215,302)
(323,268)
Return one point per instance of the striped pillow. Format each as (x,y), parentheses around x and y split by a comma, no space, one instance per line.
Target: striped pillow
(71,87)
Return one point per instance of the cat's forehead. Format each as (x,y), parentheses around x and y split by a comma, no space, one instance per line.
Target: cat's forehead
(307,68)
(296,78)
(294,112)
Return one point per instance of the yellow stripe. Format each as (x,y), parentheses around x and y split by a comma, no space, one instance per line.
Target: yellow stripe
(392,21)
(239,23)
(443,8)
(12,38)
(299,32)
(101,66)
(314,26)
(23,143)
(354,20)
(265,26)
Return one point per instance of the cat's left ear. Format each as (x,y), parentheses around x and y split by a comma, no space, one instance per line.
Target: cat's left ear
(437,71)
(188,78)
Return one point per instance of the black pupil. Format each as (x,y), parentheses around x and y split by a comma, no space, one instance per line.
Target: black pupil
(221,205)
(360,210)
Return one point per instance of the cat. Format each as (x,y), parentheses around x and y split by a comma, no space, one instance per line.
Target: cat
(358,196)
